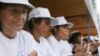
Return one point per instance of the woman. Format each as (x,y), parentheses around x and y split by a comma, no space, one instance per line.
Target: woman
(76,40)
(58,41)
(93,45)
(13,40)
(39,26)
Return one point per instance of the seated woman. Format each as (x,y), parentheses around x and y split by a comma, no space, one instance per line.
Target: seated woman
(13,40)
(77,42)
(93,45)
(39,26)
(59,37)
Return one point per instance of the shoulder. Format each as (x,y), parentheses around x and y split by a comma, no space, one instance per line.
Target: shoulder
(50,37)
(25,32)
(29,40)
(26,35)
(43,39)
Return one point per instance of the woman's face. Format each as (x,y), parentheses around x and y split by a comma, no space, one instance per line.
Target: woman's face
(79,39)
(13,17)
(63,32)
(43,28)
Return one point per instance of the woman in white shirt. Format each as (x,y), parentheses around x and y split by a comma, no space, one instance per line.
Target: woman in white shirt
(13,40)
(58,41)
(39,26)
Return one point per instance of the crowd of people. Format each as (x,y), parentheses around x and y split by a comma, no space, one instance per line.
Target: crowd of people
(36,40)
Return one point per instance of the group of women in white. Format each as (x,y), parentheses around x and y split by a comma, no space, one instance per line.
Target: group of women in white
(14,41)
(40,22)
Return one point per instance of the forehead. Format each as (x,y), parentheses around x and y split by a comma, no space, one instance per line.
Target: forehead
(64,26)
(18,6)
(46,19)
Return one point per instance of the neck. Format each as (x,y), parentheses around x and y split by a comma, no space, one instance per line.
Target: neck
(8,33)
(57,37)
(36,35)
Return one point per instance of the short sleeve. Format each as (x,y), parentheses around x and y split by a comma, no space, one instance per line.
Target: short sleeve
(31,44)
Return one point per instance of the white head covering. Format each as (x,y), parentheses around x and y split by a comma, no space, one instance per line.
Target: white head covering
(23,2)
(91,38)
(60,21)
(96,38)
(39,12)
(97,3)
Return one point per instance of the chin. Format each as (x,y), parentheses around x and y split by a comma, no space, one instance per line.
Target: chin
(43,35)
(18,29)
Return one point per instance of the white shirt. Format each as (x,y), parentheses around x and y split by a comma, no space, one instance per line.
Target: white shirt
(99,46)
(61,47)
(45,48)
(22,45)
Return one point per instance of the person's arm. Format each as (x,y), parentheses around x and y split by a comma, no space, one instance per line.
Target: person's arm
(31,47)
(34,53)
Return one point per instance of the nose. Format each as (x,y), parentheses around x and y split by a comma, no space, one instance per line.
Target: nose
(20,16)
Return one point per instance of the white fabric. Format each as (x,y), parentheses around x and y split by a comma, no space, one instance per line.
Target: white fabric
(39,12)
(24,2)
(45,48)
(96,38)
(99,46)
(22,45)
(92,38)
(99,50)
(60,21)
(62,48)
(97,3)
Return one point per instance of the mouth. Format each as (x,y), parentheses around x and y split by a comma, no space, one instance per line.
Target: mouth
(19,24)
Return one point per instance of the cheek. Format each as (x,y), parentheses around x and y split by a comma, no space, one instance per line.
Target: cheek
(25,17)
(61,33)
(65,32)
(6,18)
(41,29)
(45,28)
(79,38)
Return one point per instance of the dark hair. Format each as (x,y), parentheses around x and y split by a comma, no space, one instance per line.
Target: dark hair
(35,22)
(54,30)
(73,38)
(2,6)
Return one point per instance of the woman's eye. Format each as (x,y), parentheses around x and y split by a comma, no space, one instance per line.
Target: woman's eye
(25,11)
(13,10)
